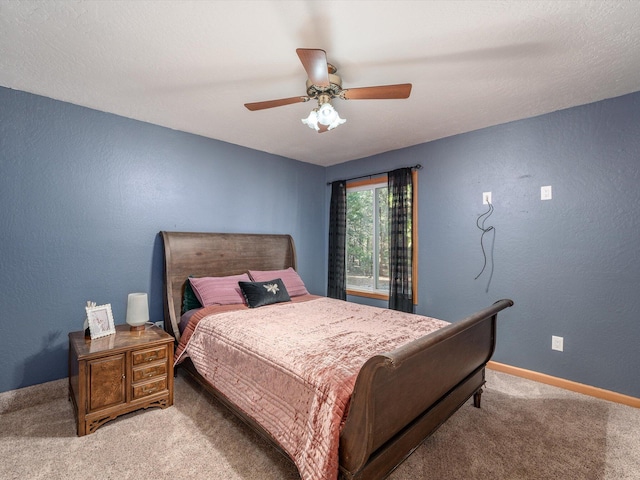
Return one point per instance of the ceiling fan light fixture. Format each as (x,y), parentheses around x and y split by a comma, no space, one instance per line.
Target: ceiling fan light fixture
(337,121)
(312,120)
(325,114)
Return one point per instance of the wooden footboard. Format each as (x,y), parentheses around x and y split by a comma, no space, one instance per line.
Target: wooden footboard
(401,397)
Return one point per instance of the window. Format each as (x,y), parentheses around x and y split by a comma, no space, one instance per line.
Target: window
(367,249)
(367,243)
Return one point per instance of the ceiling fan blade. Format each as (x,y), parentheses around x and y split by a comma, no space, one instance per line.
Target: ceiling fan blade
(381,92)
(314,62)
(275,103)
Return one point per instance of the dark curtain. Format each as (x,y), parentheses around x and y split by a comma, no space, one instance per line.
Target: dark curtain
(400,186)
(337,241)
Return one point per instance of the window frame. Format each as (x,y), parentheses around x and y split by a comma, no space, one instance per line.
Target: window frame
(382,179)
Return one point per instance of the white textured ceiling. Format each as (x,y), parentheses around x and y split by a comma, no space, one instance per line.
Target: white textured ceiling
(191,65)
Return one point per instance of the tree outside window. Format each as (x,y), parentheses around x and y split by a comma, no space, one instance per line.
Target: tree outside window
(368,238)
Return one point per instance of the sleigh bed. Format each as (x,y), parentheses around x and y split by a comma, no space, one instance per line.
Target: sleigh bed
(395,399)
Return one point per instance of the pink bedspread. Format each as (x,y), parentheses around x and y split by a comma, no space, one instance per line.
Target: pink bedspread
(292,367)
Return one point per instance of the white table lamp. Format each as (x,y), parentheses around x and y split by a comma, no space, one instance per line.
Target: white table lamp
(137,311)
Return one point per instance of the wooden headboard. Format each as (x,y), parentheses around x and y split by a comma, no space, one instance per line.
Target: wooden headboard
(216,255)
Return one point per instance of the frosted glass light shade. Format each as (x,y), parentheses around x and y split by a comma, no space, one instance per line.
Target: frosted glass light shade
(327,115)
(324,115)
(137,310)
(312,120)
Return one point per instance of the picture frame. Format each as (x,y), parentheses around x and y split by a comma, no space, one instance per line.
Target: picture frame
(100,321)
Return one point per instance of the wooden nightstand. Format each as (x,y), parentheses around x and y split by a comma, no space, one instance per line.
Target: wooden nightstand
(113,375)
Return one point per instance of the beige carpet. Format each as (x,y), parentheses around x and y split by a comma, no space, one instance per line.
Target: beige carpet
(524,430)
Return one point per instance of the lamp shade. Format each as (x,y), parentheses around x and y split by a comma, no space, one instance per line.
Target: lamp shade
(137,310)
(312,120)
(327,115)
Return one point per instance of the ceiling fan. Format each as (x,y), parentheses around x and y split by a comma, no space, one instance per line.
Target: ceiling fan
(324,85)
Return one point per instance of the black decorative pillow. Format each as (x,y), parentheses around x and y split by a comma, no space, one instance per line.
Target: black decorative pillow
(189,299)
(259,294)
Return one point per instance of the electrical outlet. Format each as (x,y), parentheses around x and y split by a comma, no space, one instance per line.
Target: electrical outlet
(160,325)
(486,198)
(557,343)
(545,193)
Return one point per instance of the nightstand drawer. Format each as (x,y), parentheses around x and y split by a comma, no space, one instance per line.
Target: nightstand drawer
(149,388)
(145,356)
(142,373)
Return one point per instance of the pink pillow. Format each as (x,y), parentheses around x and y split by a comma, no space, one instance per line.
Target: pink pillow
(292,281)
(219,290)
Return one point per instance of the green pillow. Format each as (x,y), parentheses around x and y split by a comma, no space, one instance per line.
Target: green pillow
(189,299)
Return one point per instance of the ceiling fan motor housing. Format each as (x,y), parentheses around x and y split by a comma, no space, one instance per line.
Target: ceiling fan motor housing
(333,89)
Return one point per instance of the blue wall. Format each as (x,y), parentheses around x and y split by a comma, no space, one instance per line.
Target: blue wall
(83,195)
(571,264)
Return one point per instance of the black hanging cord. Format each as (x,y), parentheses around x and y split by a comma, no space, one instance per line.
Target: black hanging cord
(485,230)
